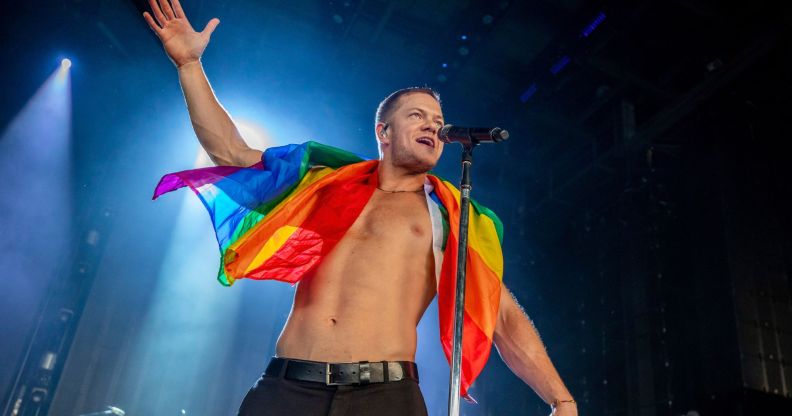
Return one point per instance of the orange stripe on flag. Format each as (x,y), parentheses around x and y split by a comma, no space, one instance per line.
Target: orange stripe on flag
(251,242)
(482,293)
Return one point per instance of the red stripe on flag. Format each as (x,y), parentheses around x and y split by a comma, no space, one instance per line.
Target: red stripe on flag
(323,213)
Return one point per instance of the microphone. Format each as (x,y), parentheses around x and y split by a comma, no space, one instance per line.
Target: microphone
(472,135)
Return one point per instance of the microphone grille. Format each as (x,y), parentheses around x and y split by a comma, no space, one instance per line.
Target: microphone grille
(498,134)
(443,134)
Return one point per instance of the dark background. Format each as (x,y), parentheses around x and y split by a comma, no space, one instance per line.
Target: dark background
(645,193)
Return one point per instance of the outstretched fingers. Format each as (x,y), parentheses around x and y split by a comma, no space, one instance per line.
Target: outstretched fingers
(177,9)
(166,8)
(152,24)
(157,13)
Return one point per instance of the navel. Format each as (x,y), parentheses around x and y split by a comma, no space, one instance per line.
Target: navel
(332,321)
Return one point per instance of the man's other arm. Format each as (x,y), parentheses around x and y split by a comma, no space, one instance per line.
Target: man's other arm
(520,347)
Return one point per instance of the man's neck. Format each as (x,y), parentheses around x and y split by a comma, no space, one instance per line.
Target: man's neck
(392,178)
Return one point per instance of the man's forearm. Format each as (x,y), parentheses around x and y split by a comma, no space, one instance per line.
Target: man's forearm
(522,350)
(214,128)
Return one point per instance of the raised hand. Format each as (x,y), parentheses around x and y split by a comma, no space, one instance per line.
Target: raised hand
(181,42)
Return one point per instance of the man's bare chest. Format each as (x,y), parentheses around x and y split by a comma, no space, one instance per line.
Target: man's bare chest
(395,218)
(388,248)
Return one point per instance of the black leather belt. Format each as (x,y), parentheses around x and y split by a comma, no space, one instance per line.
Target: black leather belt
(336,374)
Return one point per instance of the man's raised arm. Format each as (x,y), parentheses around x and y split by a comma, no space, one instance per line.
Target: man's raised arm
(214,128)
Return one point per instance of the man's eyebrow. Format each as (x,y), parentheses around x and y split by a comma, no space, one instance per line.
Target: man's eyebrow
(424,112)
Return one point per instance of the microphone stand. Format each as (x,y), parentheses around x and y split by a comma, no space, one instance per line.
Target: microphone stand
(459,306)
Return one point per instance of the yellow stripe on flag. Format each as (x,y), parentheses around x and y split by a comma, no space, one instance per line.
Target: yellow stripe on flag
(272,245)
(483,237)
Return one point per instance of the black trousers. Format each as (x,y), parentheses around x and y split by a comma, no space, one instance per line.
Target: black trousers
(275,395)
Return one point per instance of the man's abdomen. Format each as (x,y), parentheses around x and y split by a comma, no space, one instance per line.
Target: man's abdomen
(337,336)
(360,306)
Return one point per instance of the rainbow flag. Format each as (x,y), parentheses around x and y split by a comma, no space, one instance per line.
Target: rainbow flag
(279,218)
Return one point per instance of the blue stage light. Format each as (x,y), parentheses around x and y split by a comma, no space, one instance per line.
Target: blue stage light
(528,93)
(66,63)
(559,65)
(592,25)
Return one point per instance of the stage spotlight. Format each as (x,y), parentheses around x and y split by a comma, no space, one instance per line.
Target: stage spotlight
(62,73)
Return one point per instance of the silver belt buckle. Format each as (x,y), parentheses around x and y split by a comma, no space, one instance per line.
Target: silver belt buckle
(328,373)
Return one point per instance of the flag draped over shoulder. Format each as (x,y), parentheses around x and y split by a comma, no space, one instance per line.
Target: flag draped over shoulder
(279,218)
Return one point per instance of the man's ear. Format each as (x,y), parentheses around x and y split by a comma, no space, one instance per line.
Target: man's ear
(381,130)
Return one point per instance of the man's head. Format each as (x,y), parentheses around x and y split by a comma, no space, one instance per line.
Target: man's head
(406,125)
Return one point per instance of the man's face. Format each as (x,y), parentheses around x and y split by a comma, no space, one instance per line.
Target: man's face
(411,140)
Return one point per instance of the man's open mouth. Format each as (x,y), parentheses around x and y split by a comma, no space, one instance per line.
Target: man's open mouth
(426,140)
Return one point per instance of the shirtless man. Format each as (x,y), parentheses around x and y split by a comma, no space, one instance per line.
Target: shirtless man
(340,314)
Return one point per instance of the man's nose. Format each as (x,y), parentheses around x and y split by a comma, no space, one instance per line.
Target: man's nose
(430,126)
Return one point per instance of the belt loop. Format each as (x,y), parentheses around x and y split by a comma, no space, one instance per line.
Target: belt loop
(385,371)
(282,369)
(328,370)
(365,372)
